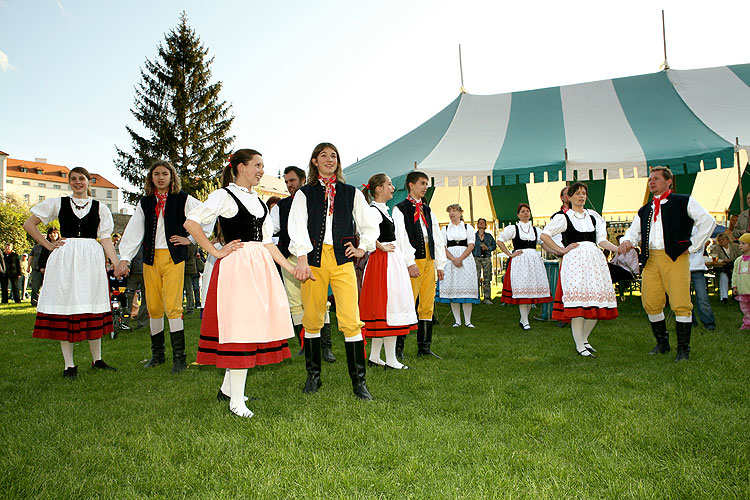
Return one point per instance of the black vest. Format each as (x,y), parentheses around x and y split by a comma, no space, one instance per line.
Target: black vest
(456,243)
(520,244)
(174,220)
(285,206)
(387,229)
(572,235)
(414,229)
(343,221)
(244,226)
(676,225)
(73,227)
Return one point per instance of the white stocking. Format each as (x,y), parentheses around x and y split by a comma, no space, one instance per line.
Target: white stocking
(226,385)
(237,379)
(67,352)
(156,325)
(455,307)
(376,344)
(176,324)
(96,349)
(390,353)
(576,325)
(588,326)
(524,309)
(466,306)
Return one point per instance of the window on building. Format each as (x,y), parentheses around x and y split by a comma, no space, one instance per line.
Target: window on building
(56,186)
(9,181)
(25,183)
(24,169)
(63,175)
(109,206)
(26,198)
(93,192)
(41,198)
(42,184)
(109,193)
(39,171)
(93,180)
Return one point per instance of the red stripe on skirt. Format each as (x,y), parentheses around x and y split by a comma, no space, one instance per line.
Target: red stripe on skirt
(373,301)
(73,327)
(235,354)
(507,294)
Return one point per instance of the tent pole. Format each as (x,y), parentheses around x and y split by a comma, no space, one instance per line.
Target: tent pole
(665,64)
(739,173)
(471,206)
(461,69)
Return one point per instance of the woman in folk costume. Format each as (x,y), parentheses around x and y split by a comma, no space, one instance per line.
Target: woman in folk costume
(74,301)
(322,233)
(246,318)
(158,224)
(525,282)
(460,287)
(586,294)
(386,303)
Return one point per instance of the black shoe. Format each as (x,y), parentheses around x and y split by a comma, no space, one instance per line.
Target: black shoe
(724,301)
(524,327)
(586,353)
(71,373)
(101,365)
(223,397)
(386,366)
(312,365)
(325,343)
(177,340)
(157,350)
(374,364)
(589,348)
(355,360)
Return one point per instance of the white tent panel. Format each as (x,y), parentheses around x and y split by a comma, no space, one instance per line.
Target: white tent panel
(449,195)
(544,198)
(472,143)
(714,189)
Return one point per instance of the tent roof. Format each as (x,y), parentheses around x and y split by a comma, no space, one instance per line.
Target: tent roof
(610,129)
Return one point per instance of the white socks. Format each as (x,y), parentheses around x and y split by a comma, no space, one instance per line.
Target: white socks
(577,327)
(376,344)
(653,318)
(455,307)
(67,352)
(355,338)
(390,353)
(156,325)
(226,385)
(96,349)
(175,325)
(684,319)
(466,306)
(524,309)
(237,379)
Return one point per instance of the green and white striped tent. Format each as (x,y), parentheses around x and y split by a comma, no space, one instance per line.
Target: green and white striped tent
(524,145)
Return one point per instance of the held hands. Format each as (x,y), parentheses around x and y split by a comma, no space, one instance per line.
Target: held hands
(625,247)
(569,248)
(351,252)
(413,271)
(441,275)
(122,269)
(302,272)
(458,262)
(225,250)
(179,240)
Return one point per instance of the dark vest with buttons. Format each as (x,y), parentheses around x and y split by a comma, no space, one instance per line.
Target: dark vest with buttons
(73,227)
(414,229)
(244,226)
(676,225)
(285,206)
(520,244)
(174,220)
(343,221)
(572,235)
(387,229)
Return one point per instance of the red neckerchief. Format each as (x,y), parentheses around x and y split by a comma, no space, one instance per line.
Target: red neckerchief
(330,187)
(657,202)
(418,212)
(161,200)
(564,209)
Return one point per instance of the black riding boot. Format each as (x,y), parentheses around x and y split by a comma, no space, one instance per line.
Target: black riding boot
(420,336)
(157,350)
(312,365)
(662,337)
(297,335)
(683,340)
(178,350)
(400,347)
(355,359)
(325,343)
(424,347)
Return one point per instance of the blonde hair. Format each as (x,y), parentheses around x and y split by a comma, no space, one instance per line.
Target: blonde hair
(454,206)
(175,184)
(665,172)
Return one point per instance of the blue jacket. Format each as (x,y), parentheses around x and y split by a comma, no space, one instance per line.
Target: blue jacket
(489,240)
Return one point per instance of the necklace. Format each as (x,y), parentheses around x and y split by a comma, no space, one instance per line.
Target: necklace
(525,231)
(80,207)
(575,214)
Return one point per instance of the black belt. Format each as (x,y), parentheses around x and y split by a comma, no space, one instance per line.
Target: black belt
(460,243)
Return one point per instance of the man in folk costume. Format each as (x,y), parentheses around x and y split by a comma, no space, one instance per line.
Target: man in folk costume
(663,230)
(294,177)
(424,252)
(322,235)
(158,224)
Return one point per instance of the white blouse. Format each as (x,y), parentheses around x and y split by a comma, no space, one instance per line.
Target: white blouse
(49,209)
(528,233)
(559,224)
(402,239)
(453,232)
(221,204)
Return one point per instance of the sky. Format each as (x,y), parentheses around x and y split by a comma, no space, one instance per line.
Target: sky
(359,74)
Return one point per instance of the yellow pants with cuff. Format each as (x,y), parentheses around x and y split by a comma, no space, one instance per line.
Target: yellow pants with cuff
(661,276)
(164,281)
(423,286)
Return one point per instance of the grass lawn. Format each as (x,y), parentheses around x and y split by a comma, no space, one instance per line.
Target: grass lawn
(505,414)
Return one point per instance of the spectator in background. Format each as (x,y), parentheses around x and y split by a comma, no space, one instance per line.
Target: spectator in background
(484,246)
(698,279)
(23,281)
(731,226)
(743,221)
(39,256)
(725,253)
(9,280)
(623,267)
(135,283)
(190,271)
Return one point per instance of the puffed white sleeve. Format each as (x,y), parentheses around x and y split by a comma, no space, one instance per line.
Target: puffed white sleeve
(275,217)
(299,238)
(507,234)
(367,225)
(440,259)
(133,235)
(633,234)
(402,238)
(470,234)
(218,203)
(268,230)
(47,210)
(601,228)
(703,224)
(106,223)
(190,205)
(557,225)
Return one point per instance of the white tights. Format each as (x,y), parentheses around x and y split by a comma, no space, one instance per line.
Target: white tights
(466,306)
(95,346)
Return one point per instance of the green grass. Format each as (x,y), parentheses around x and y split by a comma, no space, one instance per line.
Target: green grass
(506,414)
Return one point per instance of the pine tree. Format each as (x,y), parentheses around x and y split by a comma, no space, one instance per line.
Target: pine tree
(184,119)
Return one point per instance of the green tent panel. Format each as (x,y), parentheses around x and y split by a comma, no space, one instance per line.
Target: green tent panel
(506,199)
(734,207)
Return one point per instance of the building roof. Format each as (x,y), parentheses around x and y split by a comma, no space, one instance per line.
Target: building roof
(3,153)
(50,173)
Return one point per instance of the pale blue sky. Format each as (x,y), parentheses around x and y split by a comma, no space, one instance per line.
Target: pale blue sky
(355,73)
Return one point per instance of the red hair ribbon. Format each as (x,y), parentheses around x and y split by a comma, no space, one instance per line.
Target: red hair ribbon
(366,186)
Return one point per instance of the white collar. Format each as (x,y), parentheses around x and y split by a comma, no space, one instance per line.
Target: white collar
(243,189)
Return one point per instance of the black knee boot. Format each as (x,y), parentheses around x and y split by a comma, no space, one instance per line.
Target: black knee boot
(312,365)
(157,350)
(355,359)
(420,336)
(424,346)
(662,337)
(683,340)
(400,347)
(178,350)
(325,343)
(298,336)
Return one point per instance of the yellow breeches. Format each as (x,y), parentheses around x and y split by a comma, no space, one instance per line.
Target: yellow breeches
(164,282)
(423,286)
(663,276)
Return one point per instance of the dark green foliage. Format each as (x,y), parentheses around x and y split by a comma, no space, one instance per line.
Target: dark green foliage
(13,213)
(180,110)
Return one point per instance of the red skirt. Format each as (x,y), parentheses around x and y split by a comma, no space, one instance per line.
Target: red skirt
(565,314)
(373,300)
(232,355)
(73,327)
(507,295)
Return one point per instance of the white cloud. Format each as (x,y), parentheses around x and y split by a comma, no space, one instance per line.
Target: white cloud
(5,65)
(62,8)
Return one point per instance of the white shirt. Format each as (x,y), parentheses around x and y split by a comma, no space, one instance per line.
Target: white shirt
(458,232)
(702,220)
(221,204)
(49,210)
(300,244)
(275,217)
(133,235)
(559,224)
(402,239)
(697,260)
(528,233)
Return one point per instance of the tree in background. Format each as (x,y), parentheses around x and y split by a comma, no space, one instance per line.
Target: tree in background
(13,213)
(184,119)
